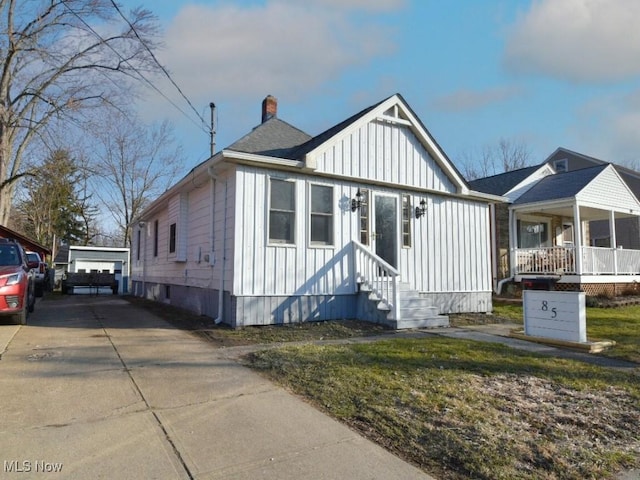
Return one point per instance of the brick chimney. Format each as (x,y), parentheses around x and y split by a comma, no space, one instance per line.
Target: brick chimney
(269,108)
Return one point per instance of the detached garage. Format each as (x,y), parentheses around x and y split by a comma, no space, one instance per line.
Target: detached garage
(98,260)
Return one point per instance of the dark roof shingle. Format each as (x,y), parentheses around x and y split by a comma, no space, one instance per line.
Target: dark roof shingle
(274,138)
(503,182)
(560,185)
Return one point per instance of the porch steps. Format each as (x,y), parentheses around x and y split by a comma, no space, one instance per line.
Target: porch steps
(415,311)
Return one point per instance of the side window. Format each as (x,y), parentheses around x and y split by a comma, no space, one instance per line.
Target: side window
(155,238)
(138,242)
(172,238)
(406,221)
(282,211)
(364,218)
(321,215)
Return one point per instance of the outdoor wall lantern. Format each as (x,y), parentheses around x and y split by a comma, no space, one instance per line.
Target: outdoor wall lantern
(357,202)
(422,209)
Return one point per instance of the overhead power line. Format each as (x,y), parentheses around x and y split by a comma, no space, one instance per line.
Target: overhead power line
(145,79)
(164,70)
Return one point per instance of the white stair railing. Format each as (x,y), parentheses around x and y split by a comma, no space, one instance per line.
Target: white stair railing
(377,276)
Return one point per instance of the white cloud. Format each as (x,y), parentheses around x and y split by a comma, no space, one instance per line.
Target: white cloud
(577,40)
(464,100)
(274,48)
(607,127)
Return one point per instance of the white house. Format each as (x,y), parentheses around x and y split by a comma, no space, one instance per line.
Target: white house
(367,220)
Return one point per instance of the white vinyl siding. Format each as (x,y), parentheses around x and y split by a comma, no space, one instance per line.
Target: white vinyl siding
(606,191)
(450,244)
(385,152)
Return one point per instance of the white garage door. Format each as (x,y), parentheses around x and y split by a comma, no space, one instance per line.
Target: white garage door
(94,266)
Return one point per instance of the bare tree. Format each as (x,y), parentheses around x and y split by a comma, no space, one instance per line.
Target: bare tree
(508,155)
(133,163)
(513,155)
(55,65)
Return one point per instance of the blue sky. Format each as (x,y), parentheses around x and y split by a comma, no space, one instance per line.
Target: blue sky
(545,73)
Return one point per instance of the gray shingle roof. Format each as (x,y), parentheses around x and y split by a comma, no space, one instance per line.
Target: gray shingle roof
(503,182)
(559,186)
(274,138)
(318,140)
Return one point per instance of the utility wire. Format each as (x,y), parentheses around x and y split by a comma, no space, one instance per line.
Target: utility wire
(164,70)
(146,80)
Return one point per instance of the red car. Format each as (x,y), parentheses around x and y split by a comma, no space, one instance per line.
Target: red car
(17,288)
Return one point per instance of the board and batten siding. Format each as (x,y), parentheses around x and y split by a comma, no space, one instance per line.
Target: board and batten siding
(264,268)
(449,246)
(450,249)
(384,152)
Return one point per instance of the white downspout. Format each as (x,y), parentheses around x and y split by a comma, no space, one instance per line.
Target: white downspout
(142,226)
(214,179)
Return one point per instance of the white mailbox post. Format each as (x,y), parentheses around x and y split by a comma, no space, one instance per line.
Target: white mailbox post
(557,315)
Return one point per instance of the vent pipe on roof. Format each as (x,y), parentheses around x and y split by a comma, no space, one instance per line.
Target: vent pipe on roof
(269,108)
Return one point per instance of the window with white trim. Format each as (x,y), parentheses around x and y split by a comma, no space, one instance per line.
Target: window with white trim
(155,238)
(172,238)
(321,212)
(282,211)
(364,217)
(406,221)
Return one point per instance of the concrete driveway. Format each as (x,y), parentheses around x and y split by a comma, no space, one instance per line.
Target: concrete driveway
(94,387)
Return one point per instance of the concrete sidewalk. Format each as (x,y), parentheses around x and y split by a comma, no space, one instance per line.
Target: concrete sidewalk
(96,388)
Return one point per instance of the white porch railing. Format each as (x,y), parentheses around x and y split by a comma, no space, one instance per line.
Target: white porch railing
(562,261)
(546,260)
(377,276)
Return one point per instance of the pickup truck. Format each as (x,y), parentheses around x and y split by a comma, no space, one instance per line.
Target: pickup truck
(40,273)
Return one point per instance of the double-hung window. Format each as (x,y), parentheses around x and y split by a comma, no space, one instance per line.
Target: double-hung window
(282,211)
(321,215)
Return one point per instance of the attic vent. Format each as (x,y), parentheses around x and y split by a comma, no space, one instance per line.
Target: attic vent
(561,165)
(269,108)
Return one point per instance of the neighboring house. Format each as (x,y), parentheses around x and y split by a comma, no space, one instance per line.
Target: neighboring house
(627,229)
(368,220)
(83,259)
(549,226)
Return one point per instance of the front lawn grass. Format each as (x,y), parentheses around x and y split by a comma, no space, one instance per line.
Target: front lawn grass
(463,409)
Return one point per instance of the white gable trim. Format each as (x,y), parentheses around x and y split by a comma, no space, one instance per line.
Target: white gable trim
(518,190)
(378,113)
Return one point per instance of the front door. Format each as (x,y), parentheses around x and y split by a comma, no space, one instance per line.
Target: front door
(385,228)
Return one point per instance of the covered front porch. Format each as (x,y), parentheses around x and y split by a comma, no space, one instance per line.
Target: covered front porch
(552,239)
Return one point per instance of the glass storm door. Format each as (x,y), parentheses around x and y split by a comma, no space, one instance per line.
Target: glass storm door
(385,229)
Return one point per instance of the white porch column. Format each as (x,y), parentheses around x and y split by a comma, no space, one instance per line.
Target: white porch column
(513,242)
(614,241)
(578,233)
